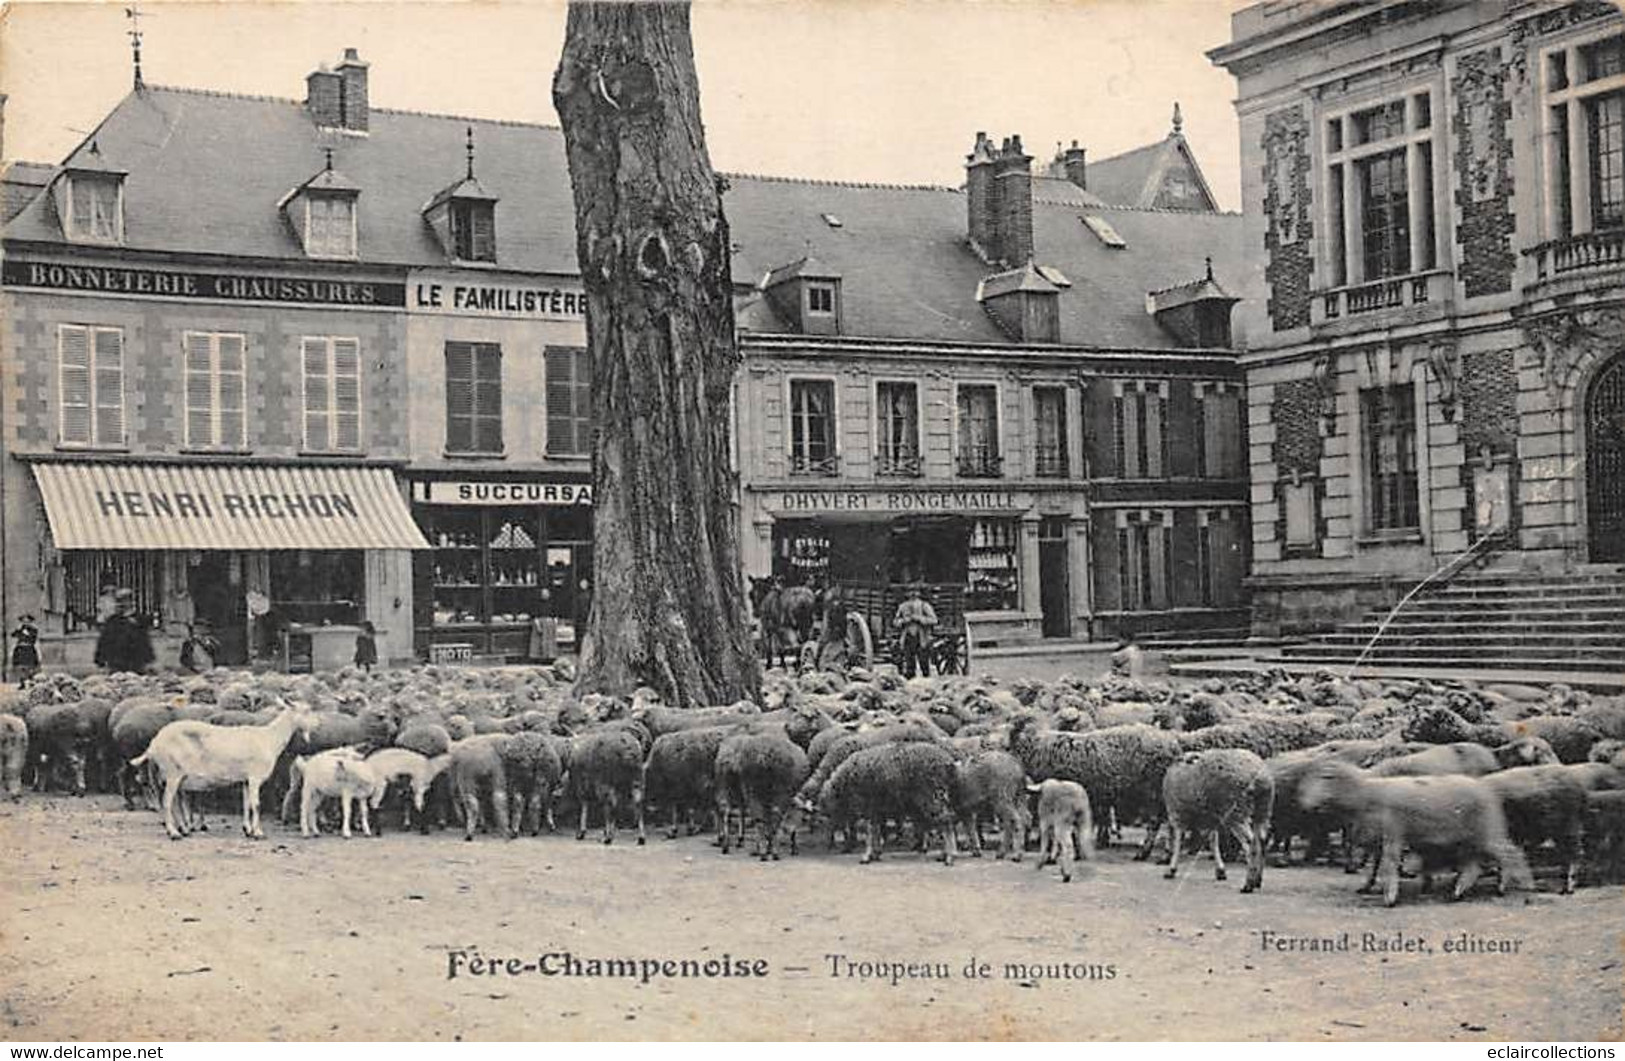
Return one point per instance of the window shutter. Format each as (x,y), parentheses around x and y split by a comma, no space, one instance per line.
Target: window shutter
(232,385)
(73,398)
(459,396)
(488,398)
(346,394)
(559,364)
(109,386)
(313,354)
(583,402)
(485,232)
(199,390)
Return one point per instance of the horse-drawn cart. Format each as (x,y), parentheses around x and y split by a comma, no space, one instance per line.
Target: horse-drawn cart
(871,607)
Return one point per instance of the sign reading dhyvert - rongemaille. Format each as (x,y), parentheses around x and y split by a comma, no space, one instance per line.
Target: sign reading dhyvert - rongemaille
(465,295)
(487,492)
(820,501)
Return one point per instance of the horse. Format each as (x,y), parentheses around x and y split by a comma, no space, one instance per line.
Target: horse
(786,616)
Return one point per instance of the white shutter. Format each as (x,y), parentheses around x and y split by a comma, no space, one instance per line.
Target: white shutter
(346,394)
(198,353)
(109,387)
(231,377)
(74,387)
(313,353)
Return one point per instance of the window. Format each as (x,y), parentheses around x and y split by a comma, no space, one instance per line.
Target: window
(1218,412)
(821,299)
(569,402)
(332,369)
(1140,411)
(90,385)
(330,226)
(1388,426)
(1379,190)
(86,571)
(214,391)
(1050,457)
(898,406)
(94,202)
(978,433)
(1585,89)
(1143,561)
(473,398)
(812,427)
(473,230)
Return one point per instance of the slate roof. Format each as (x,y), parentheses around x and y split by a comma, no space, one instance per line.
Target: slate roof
(206,171)
(1134,177)
(21,183)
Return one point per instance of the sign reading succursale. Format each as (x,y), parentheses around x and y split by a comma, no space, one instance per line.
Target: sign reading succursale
(498,492)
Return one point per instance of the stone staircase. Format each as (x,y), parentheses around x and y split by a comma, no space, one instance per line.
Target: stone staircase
(1502,620)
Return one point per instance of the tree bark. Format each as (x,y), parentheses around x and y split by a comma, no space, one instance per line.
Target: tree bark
(668,606)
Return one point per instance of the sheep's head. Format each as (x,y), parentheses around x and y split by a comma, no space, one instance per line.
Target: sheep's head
(304,717)
(1328,781)
(1525,751)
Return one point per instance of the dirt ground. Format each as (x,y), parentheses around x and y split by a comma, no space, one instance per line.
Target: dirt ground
(108,930)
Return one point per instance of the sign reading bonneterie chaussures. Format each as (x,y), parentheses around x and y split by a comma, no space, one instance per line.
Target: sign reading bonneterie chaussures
(178,283)
(500,492)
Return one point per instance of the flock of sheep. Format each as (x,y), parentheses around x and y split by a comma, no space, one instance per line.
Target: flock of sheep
(1460,778)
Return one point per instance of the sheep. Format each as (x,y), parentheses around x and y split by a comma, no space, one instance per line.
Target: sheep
(990,783)
(680,773)
(13,754)
(1220,790)
(418,771)
(909,779)
(1571,738)
(197,756)
(762,771)
(533,772)
(606,767)
(1263,735)
(428,739)
(1443,817)
(1524,751)
(1605,832)
(1463,757)
(135,723)
(475,765)
(340,772)
(910,730)
(1120,767)
(1541,803)
(60,737)
(1064,826)
(662,720)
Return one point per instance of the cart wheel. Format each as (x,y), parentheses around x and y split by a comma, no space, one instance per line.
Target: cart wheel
(860,643)
(956,653)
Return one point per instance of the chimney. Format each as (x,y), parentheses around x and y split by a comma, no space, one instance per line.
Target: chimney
(352,72)
(322,97)
(981,205)
(1013,178)
(1075,167)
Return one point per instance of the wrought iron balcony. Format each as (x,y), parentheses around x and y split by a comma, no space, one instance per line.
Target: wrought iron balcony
(1388,293)
(981,464)
(1603,249)
(828,465)
(902,465)
(1050,462)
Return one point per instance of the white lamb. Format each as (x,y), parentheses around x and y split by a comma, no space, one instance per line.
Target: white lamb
(337,772)
(420,771)
(195,756)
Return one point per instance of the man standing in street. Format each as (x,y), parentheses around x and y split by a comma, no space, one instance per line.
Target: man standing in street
(124,644)
(915,623)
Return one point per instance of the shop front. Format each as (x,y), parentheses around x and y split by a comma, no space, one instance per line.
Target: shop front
(259,554)
(506,556)
(981,544)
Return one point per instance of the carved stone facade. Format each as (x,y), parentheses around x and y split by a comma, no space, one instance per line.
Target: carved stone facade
(1483,164)
(1287,204)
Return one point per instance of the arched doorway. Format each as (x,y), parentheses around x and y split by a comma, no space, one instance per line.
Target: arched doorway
(1605,463)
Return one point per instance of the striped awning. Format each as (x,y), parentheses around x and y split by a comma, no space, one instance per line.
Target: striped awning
(224,506)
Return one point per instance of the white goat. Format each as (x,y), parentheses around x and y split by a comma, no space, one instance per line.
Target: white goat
(195,756)
(337,772)
(390,764)
(1065,828)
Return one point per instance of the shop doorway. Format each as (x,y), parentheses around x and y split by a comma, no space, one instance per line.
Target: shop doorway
(567,585)
(1054,589)
(215,581)
(1605,463)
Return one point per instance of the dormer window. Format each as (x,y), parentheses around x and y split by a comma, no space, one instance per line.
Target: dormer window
(473,230)
(95,207)
(821,299)
(330,226)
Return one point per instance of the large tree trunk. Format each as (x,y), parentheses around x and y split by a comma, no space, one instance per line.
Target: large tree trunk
(668,606)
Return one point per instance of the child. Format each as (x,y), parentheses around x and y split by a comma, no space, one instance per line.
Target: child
(25,650)
(366,646)
(199,650)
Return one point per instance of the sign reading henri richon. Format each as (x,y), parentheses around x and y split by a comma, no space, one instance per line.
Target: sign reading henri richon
(186,504)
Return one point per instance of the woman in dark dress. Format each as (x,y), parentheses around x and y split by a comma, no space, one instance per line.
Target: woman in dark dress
(24,650)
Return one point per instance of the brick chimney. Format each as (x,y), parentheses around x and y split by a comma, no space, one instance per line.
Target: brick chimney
(322,87)
(981,206)
(1075,166)
(1013,177)
(353,91)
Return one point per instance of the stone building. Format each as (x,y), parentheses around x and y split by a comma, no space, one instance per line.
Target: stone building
(1436,196)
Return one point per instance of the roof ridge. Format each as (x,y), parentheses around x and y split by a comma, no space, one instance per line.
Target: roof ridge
(1075,205)
(260,98)
(1124,154)
(828,183)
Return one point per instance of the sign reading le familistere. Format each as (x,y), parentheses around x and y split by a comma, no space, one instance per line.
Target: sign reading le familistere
(898,501)
(485,492)
(176,283)
(450,294)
